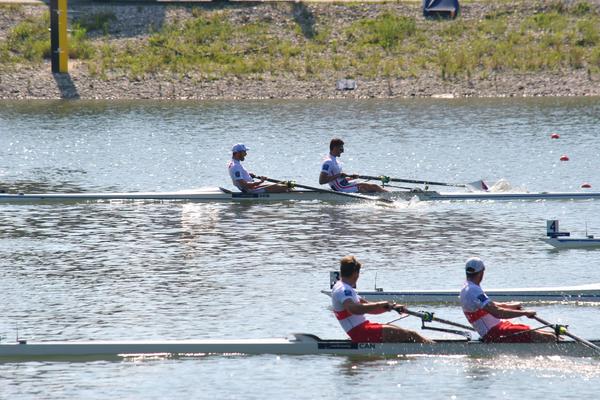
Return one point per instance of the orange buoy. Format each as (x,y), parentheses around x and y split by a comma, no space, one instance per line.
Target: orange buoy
(554,136)
(564,157)
(586,185)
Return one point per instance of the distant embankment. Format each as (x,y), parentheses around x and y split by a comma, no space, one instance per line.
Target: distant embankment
(299,50)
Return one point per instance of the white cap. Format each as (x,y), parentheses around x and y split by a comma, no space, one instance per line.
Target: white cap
(239,147)
(474,265)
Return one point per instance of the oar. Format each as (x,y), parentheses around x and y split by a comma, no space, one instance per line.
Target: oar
(428,317)
(316,189)
(563,331)
(385,179)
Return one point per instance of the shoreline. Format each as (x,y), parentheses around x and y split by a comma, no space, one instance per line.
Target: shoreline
(37,82)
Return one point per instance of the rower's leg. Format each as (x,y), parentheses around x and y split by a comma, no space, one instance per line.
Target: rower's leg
(542,337)
(277,188)
(393,333)
(370,188)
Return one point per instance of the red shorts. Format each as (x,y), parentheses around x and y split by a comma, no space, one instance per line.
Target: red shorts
(505,331)
(367,332)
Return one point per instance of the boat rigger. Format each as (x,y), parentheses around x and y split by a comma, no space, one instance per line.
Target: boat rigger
(224,195)
(298,344)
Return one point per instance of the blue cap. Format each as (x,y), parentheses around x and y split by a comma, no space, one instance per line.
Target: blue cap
(474,265)
(239,147)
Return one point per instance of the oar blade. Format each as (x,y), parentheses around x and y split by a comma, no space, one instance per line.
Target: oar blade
(477,186)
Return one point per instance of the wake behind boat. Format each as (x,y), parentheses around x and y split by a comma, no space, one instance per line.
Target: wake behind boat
(209,195)
(298,344)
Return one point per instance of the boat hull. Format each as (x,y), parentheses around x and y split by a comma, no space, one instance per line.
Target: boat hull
(208,196)
(217,195)
(301,344)
(573,243)
(583,294)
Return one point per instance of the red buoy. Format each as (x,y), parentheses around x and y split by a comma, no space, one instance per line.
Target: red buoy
(564,157)
(554,136)
(586,185)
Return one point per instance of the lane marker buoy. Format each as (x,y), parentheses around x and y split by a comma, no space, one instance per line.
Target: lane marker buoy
(564,157)
(554,136)
(586,185)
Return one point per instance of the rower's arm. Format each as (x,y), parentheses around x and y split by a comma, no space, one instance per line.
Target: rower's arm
(512,305)
(366,307)
(506,313)
(326,178)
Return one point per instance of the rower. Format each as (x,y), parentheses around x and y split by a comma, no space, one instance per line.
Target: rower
(487,316)
(331,173)
(349,309)
(242,179)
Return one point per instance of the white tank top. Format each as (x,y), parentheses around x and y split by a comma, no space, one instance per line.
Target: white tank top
(339,294)
(237,172)
(473,300)
(331,166)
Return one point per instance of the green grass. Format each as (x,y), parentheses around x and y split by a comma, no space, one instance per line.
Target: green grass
(28,41)
(560,37)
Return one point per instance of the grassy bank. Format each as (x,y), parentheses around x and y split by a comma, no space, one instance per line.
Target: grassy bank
(312,41)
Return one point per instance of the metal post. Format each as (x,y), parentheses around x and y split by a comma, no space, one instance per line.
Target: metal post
(58,36)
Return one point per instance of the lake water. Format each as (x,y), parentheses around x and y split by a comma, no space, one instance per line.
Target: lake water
(183,270)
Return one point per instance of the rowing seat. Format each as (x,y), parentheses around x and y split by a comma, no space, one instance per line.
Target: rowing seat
(306,337)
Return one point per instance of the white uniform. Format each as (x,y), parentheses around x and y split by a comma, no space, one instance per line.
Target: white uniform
(473,300)
(341,292)
(332,167)
(237,172)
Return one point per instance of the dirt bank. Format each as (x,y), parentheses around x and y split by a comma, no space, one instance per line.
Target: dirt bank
(134,24)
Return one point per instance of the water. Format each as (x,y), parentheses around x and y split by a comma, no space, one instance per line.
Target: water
(182,270)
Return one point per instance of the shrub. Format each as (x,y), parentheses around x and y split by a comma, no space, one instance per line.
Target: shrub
(95,22)
(30,40)
(588,32)
(387,30)
(79,46)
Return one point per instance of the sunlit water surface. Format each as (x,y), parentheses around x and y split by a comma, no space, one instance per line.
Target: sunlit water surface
(182,270)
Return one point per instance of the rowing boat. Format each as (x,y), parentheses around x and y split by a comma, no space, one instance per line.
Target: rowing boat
(224,195)
(298,344)
(562,240)
(583,293)
(198,195)
(573,243)
(589,293)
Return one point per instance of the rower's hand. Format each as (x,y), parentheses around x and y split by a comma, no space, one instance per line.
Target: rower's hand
(399,308)
(530,314)
(394,307)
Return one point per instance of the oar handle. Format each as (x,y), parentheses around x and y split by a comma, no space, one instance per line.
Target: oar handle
(428,317)
(569,334)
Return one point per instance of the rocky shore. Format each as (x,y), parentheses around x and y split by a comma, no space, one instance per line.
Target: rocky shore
(135,22)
